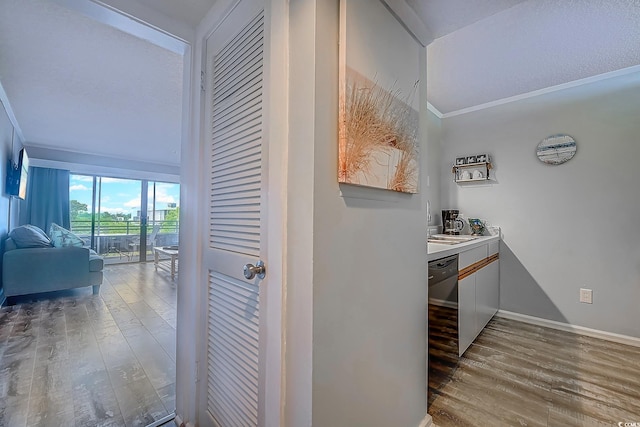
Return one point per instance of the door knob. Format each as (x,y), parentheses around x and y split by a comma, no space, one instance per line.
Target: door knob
(250,271)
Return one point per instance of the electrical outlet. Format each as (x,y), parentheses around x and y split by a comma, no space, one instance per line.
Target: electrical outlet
(586,295)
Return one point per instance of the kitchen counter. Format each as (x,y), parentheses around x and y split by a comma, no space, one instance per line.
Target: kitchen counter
(438,250)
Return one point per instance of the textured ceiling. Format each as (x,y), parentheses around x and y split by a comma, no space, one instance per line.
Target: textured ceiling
(187,11)
(446,16)
(79,85)
(530,46)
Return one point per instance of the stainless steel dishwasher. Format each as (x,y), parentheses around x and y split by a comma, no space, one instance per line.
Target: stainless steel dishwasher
(443,323)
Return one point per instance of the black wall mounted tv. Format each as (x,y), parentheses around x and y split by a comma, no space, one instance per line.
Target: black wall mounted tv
(17,176)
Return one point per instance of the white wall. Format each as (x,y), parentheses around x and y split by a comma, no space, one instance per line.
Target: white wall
(435,166)
(10,145)
(568,226)
(369,272)
(190,288)
(299,262)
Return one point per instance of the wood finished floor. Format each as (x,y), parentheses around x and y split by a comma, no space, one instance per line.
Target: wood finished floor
(84,360)
(516,374)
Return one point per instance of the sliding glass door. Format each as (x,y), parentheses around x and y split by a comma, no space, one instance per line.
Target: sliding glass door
(122,219)
(116,228)
(163,213)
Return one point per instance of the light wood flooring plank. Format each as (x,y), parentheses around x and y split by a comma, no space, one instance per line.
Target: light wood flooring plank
(51,401)
(74,358)
(139,403)
(95,402)
(521,374)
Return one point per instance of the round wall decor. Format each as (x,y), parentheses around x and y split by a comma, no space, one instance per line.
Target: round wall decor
(556,149)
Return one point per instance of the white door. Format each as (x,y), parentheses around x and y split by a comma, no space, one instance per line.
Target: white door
(232,388)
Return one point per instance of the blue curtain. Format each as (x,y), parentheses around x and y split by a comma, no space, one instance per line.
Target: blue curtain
(47,198)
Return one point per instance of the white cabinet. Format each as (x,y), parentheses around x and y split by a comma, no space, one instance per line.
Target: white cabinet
(478,292)
(487,294)
(493,248)
(472,256)
(466,313)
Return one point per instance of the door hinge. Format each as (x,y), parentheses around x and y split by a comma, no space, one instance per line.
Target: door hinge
(202,75)
(197,371)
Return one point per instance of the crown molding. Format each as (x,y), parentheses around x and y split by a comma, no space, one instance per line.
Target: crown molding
(410,19)
(128,23)
(539,92)
(4,99)
(434,110)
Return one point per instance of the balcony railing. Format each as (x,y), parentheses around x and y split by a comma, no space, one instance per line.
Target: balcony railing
(122,227)
(122,238)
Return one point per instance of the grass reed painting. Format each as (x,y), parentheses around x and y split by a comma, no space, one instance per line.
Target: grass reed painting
(377,135)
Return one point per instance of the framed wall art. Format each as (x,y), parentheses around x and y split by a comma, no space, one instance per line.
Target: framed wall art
(379,98)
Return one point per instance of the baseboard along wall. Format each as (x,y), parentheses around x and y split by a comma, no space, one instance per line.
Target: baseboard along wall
(426,421)
(580,330)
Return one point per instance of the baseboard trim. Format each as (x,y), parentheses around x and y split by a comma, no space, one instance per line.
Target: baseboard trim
(163,420)
(426,421)
(179,423)
(581,330)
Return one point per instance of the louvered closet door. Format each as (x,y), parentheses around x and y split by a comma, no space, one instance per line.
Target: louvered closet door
(234,110)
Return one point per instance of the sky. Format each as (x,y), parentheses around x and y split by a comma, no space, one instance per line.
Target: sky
(122,195)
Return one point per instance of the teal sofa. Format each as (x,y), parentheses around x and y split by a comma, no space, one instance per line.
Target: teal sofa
(46,269)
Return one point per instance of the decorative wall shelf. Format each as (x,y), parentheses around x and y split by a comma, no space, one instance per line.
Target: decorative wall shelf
(472,172)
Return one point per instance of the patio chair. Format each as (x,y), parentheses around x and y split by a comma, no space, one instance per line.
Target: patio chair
(151,239)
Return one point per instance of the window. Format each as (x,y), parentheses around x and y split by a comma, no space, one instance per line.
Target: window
(114,218)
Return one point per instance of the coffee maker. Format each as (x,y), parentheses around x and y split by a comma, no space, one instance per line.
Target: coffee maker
(451,224)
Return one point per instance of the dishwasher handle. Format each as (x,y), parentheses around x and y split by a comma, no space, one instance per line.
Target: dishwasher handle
(443,269)
(443,263)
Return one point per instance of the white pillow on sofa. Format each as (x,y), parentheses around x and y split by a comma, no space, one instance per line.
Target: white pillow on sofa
(61,237)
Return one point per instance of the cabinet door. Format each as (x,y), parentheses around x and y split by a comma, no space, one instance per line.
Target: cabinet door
(466,312)
(472,256)
(487,294)
(493,248)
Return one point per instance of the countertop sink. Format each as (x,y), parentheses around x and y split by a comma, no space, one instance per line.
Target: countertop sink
(440,246)
(449,239)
